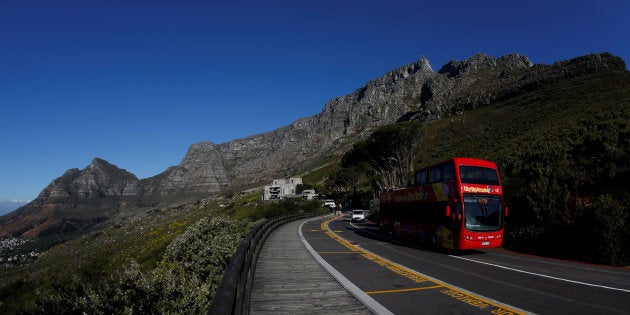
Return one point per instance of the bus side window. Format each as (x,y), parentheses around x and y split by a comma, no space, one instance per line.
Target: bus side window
(421,178)
(435,175)
(448,172)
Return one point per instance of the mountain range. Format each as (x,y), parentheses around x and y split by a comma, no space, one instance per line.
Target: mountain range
(10,205)
(101,192)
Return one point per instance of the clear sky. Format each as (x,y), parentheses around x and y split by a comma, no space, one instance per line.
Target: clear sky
(137,82)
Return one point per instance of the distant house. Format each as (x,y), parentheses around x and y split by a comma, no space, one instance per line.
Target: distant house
(282,188)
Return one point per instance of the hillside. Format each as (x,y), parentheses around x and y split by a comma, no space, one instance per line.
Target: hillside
(558,132)
(562,149)
(414,91)
(73,203)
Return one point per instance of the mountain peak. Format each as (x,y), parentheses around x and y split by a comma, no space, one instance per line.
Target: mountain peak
(424,64)
(99,164)
(99,161)
(511,61)
(96,193)
(108,170)
(514,61)
(99,178)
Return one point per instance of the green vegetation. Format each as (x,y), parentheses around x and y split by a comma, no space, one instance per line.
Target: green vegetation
(564,155)
(170,261)
(385,159)
(96,257)
(251,208)
(182,282)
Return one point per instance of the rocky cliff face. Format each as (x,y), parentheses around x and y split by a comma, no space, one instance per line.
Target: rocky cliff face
(200,173)
(75,201)
(98,180)
(414,91)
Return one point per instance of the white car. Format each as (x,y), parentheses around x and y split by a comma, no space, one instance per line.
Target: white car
(358,216)
(330,203)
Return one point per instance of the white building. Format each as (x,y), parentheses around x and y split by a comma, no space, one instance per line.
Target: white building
(281,188)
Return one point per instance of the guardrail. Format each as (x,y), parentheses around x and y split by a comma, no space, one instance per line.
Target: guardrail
(232,295)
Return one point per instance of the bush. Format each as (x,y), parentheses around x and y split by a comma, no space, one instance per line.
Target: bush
(205,249)
(272,209)
(182,283)
(610,231)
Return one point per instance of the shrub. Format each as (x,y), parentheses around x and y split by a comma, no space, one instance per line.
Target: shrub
(182,283)
(610,231)
(205,249)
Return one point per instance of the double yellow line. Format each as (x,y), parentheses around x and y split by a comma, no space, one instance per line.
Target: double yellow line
(456,293)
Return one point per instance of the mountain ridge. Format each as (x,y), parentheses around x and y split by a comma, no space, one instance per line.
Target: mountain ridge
(7,206)
(75,201)
(102,191)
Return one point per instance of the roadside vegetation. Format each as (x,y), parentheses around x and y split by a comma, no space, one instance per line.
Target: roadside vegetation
(170,261)
(563,151)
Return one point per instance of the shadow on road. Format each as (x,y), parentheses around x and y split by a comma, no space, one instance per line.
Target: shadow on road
(372,231)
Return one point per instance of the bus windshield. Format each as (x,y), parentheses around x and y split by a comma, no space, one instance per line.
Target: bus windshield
(478,175)
(483,213)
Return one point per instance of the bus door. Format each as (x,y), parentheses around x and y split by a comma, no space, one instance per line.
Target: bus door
(454,217)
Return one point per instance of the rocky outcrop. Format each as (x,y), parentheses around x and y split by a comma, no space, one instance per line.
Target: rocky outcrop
(98,180)
(413,91)
(75,201)
(201,172)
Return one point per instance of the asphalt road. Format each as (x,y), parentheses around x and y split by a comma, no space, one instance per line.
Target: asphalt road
(407,279)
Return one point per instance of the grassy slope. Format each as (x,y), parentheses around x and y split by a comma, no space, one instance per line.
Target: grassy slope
(562,150)
(536,119)
(97,254)
(102,254)
(540,134)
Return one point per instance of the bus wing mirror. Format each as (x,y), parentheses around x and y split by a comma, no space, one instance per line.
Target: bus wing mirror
(506,211)
(448,210)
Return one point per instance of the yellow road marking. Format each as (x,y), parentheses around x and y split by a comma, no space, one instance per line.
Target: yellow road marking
(357,252)
(405,290)
(453,292)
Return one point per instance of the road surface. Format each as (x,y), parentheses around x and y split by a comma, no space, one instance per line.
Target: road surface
(407,279)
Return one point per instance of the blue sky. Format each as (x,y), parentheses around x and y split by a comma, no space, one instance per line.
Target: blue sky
(137,82)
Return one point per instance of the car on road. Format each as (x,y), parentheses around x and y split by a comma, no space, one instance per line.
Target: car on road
(358,216)
(330,203)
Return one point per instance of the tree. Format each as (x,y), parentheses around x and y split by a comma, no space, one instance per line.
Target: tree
(386,157)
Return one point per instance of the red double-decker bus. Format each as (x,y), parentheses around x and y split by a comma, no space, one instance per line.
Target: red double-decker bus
(455,204)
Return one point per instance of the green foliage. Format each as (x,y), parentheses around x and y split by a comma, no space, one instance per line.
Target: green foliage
(317,178)
(272,209)
(563,150)
(252,208)
(348,178)
(180,279)
(384,159)
(205,248)
(299,188)
(608,223)
(182,283)
(168,289)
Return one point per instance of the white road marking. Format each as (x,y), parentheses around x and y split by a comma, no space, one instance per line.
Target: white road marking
(542,275)
(523,271)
